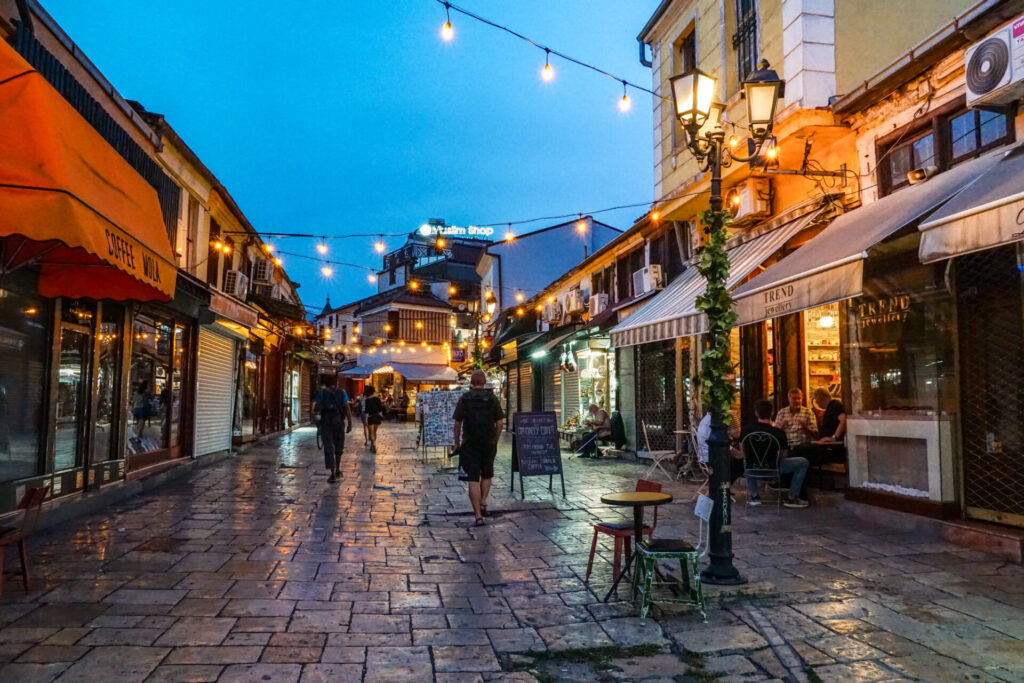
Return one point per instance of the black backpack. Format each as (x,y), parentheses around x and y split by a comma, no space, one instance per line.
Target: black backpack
(331,402)
(477,417)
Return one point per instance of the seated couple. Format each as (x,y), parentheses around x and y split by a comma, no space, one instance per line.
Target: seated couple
(760,451)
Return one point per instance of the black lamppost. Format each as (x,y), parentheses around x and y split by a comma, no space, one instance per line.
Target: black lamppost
(700,117)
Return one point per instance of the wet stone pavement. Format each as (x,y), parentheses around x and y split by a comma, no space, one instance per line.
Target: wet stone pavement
(257,569)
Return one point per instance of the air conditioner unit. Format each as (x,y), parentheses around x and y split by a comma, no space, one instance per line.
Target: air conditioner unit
(574,302)
(647,279)
(552,312)
(750,201)
(263,271)
(236,284)
(267,291)
(994,67)
(598,304)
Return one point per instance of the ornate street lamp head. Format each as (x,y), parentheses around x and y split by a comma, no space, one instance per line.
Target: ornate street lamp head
(762,90)
(693,95)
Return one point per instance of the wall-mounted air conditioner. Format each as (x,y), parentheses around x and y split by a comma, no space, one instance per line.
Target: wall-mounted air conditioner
(236,284)
(750,201)
(552,312)
(598,304)
(647,279)
(994,66)
(266,290)
(263,271)
(574,302)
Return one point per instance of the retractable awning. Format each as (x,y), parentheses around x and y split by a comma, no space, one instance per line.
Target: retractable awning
(70,203)
(673,313)
(424,372)
(830,267)
(988,213)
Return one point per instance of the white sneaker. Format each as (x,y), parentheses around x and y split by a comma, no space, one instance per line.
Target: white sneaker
(753,500)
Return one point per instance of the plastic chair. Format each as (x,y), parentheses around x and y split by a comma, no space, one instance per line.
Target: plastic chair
(622,532)
(761,455)
(32,504)
(657,457)
(688,589)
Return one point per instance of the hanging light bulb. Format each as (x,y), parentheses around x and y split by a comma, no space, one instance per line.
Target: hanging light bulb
(655,216)
(547,73)
(218,245)
(322,248)
(447,32)
(509,236)
(278,262)
(581,225)
(227,249)
(624,103)
(414,285)
(519,296)
(379,246)
(371,278)
(419,324)
(268,248)
(440,243)
(520,312)
(452,290)
(327,271)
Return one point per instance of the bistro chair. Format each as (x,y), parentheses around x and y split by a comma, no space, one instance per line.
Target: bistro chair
(31,505)
(622,532)
(761,455)
(687,590)
(657,457)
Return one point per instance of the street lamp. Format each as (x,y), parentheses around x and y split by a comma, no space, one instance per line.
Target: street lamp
(700,117)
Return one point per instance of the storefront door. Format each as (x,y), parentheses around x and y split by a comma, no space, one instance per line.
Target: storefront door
(992,384)
(72,396)
(656,394)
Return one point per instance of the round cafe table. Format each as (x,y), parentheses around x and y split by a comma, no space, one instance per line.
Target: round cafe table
(637,500)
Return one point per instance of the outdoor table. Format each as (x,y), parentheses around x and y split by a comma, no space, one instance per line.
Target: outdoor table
(637,500)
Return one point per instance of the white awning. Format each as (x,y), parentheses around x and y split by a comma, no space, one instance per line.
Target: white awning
(424,372)
(673,312)
(830,267)
(987,213)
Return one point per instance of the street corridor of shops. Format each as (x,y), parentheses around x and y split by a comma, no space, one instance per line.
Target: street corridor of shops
(257,569)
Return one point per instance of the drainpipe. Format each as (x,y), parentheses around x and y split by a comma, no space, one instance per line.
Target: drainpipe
(643,54)
(26,17)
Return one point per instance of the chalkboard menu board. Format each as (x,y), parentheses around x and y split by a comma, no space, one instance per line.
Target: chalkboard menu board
(536,446)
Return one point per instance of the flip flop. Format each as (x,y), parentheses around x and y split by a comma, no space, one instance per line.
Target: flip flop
(479,522)
(484,512)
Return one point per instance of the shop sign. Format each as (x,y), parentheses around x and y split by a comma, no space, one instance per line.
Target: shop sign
(231,309)
(471,231)
(893,309)
(326,367)
(778,301)
(459,355)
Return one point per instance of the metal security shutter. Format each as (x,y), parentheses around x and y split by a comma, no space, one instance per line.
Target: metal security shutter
(513,394)
(526,387)
(570,394)
(553,389)
(215,370)
(306,398)
(656,393)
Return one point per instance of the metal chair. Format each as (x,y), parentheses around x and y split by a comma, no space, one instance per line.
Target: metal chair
(657,457)
(761,455)
(688,589)
(31,504)
(622,532)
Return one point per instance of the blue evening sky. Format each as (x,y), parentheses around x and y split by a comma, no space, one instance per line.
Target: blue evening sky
(352,117)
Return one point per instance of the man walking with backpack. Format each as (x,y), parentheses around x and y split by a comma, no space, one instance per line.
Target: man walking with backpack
(330,405)
(478,422)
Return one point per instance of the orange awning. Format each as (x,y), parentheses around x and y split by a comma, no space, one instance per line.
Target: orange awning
(71,204)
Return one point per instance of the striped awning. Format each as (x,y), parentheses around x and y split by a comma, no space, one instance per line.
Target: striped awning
(673,313)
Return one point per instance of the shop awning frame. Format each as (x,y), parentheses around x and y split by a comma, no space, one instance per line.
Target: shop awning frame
(673,312)
(71,204)
(988,213)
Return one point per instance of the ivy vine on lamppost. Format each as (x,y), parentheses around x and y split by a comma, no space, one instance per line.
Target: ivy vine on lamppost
(701,119)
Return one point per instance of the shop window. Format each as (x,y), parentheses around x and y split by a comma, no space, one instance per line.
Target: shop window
(821,336)
(975,131)
(159,350)
(684,57)
(108,382)
(907,156)
(744,41)
(901,340)
(191,232)
(24,344)
(77,319)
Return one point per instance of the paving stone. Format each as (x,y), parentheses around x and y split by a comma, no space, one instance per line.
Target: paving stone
(33,673)
(114,664)
(139,596)
(320,621)
(629,632)
(376,623)
(44,654)
(396,657)
(448,659)
(60,615)
(572,636)
(260,673)
(237,654)
(730,665)
(721,640)
(185,673)
(651,668)
(197,631)
(331,673)
(121,636)
(515,640)
(301,655)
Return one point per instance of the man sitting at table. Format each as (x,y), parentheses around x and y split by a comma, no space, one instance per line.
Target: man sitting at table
(832,425)
(601,425)
(795,466)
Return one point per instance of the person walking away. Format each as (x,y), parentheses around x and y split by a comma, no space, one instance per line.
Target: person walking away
(330,407)
(374,415)
(795,466)
(601,428)
(478,423)
(142,406)
(358,406)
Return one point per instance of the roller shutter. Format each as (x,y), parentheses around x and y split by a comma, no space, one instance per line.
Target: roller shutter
(513,394)
(570,394)
(526,387)
(553,389)
(215,397)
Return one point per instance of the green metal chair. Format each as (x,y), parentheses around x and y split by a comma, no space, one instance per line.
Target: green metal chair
(687,590)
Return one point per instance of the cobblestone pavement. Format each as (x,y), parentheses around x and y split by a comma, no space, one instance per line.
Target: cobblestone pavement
(257,569)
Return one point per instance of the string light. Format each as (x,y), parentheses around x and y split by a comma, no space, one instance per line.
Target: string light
(520,296)
(419,325)
(269,248)
(539,308)
(371,278)
(322,248)
(327,271)
(447,32)
(452,290)
(414,285)
(440,243)
(547,73)
(624,103)
(509,236)
(581,225)
(655,216)
(520,312)
(379,246)
(278,262)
